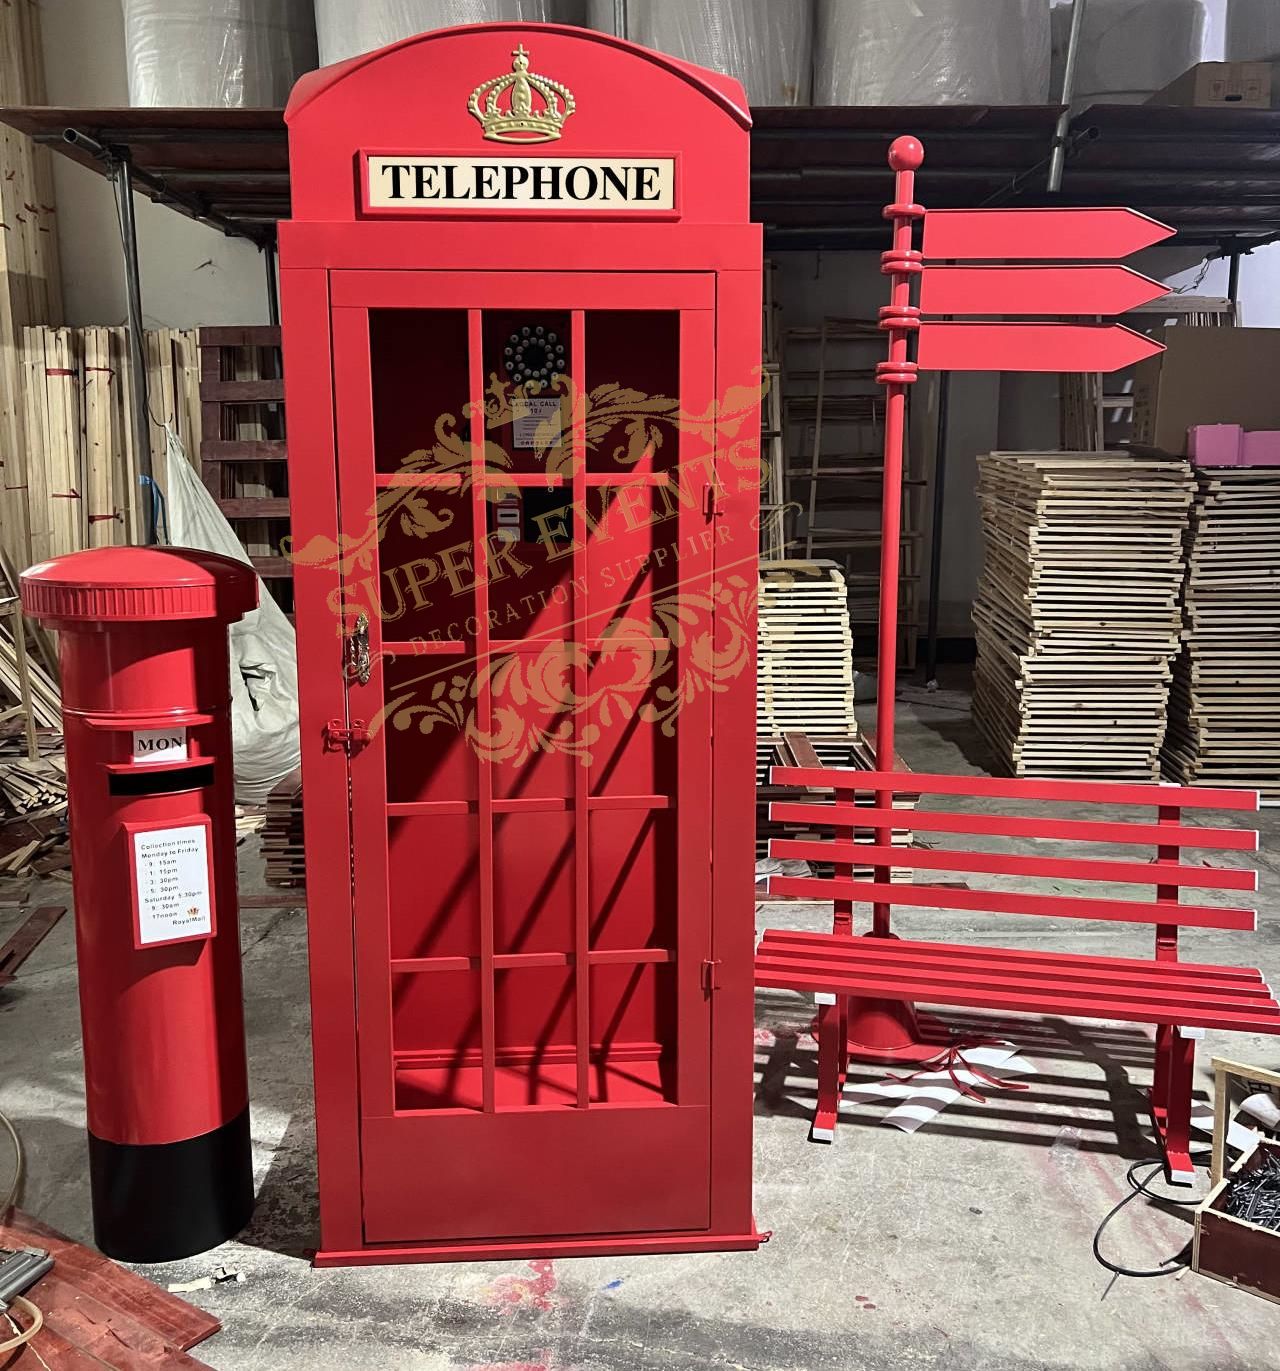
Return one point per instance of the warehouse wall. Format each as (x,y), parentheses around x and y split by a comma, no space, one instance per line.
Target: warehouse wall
(190,274)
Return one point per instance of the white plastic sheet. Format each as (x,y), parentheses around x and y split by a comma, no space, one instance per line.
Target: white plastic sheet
(931,52)
(217,52)
(1253,31)
(765,44)
(1129,48)
(264,653)
(346,28)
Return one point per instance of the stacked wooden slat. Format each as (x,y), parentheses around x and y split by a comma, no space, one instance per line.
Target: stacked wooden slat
(281,843)
(1077,614)
(804,677)
(802,749)
(1224,712)
(74,483)
(32,786)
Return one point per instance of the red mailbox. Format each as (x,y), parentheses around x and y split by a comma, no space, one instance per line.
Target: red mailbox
(145,711)
(522,332)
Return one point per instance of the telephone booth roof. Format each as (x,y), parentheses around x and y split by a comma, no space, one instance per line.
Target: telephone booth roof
(418,96)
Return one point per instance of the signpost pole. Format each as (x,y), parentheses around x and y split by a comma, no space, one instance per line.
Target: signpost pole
(900,318)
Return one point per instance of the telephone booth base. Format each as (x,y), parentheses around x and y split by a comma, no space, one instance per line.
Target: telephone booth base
(633,1245)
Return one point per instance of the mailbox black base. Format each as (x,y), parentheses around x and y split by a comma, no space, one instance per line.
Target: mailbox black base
(158,1202)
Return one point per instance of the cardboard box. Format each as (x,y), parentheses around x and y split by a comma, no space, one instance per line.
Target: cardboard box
(1206,376)
(1209,85)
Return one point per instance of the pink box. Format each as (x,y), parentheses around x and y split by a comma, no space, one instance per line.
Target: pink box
(1261,448)
(1215,445)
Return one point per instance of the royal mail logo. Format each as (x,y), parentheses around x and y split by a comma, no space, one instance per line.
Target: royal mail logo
(533,111)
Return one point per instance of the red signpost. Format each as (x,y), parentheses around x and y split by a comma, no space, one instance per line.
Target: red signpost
(890,1030)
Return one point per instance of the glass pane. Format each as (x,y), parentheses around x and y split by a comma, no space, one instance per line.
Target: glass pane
(633,389)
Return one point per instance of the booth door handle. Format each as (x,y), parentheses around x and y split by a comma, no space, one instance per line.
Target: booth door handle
(358,663)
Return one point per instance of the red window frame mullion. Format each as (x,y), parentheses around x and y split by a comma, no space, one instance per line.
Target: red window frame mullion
(484,709)
(581,685)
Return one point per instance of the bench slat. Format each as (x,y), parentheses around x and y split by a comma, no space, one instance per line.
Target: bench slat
(1015,864)
(1014,826)
(1010,902)
(962,952)
(1205,994)
(874,985)
(1016,788)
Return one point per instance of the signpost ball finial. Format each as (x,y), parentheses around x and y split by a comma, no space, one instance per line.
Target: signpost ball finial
(906,153)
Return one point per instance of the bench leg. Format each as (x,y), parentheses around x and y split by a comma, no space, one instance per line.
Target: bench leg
(831,1065)
(1171,1100)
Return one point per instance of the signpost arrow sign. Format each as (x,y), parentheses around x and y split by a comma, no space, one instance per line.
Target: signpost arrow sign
(947,346)
(1035,290)
(1038,234)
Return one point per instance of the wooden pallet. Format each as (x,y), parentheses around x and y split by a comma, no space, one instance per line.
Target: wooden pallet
(1077,614)
(243,454)
(798,748)
(281,841)
(99,1314)
(804,670)
(1224,714)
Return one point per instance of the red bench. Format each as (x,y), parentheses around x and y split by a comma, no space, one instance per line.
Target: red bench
(1181,999)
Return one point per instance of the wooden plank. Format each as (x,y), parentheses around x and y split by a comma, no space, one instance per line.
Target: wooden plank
(242,392)
(244,449)
(34,929)
(145,1321)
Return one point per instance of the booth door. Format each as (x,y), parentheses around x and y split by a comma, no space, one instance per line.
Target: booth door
(525,488)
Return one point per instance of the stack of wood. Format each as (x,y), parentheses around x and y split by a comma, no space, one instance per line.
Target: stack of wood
(1077,615)
(31,787)
(1224,713)
(74,483)
(804,677)
(802,749)
(281,844)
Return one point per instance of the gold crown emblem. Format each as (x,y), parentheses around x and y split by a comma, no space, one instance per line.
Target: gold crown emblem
(519,121)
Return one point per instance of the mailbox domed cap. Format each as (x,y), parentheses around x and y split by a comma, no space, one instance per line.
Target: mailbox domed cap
(131,584)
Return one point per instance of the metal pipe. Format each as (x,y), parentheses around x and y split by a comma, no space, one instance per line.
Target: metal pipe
(935,534)
(122,180)
(164,194)
(273,288)
(1233,276)
(620,18)
(1058,156)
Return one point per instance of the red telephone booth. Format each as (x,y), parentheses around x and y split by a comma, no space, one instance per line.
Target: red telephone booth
(521,323)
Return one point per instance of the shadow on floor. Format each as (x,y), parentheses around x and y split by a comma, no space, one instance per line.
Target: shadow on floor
(1072,1097)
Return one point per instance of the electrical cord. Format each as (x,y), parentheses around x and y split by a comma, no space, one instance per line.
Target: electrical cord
(1170,1265)
(18,1163)
(22,1335)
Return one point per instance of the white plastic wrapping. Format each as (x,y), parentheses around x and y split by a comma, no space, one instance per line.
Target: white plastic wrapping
(217,52)
(264,652)
(931,52)
(346,28)
(1129,48)
(1253,30)
(765,44)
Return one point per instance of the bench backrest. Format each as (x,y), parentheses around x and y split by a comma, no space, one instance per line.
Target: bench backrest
(863,822)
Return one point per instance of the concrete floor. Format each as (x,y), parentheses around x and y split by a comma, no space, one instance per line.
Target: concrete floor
(964,1245)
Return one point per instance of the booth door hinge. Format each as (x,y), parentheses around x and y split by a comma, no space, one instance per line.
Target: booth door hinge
(710,976)
(340,737)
